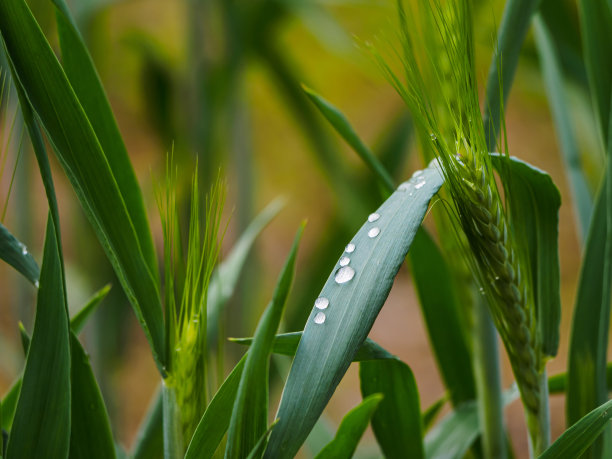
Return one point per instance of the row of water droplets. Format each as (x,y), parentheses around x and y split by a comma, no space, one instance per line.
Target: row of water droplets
(345,272)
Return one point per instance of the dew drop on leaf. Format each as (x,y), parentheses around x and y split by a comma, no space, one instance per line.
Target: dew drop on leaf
(374,232)
(373,217)
(344,274)
(321,303)
(350,248)
(344,261)
(319,318)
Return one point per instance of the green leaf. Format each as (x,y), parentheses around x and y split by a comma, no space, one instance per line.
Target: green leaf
(557,384)
(575,440)
(441,312)
(216,418)
(225,278)
(510,38)
(457,431)
(260,446)
(9,404)
(90,435)
(149,442)
(41,427)
(327,349)
(596,30)
(560,110)
(337,119)
(250,413)
(534,208)
(78,321)
(85,82)
(397,421)
(287,344)
(80,153)
(351,429)
(430,414)
(16,254)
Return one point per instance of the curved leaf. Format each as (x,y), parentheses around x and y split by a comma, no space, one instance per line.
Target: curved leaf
(16,254)
(327,349)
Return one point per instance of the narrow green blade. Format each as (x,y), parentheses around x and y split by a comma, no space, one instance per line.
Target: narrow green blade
(250,413)
(9,404)
(85,82)
(337,119)
(287,344)
(16,254)
(149,442)
(355,294)
(216,418)
(575,440)
(351,430)
(41,427)
(260,447)
(440,309)
(397,421)
(557,384)
(78,149)
(560,110)
(534,208)
(78,321)
(432,411)
(90,436)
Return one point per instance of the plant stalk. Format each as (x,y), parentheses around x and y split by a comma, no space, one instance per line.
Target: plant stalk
(173,436)
(488,382)
(539,426)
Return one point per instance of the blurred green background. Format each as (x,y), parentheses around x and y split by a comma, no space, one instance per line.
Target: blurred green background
(220,80)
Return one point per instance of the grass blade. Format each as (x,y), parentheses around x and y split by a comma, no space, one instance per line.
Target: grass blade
(16,254)
(78,321)
(41,427)
(90,436)
(351,430)
(560,110)
(85,82)
(575,440)
(439,305)
(149,442)
(397,421)
(216,418)
(327,349)
(83,159)
(341,124)
(535,210)
(430,414)
(250,413)
(557,384)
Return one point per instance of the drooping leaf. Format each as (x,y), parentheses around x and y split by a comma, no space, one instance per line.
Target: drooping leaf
(534,208)
(250,412)
(397,421)
(575,440)
(90,435)
(41,426)
(351,429)
(80,153)
(356,293)
(16,254)
(440,308)
(216,418)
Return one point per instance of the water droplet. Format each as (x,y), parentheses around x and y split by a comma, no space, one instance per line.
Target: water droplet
(24,250)
(373,217)
(36,284)
(344,261)
(319,318)
(321,303)
(374,232)
(420,185)
(350,248)
(404,186)
(344,274)
(417,173)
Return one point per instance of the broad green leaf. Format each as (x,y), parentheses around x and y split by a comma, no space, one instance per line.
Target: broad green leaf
(225,278)
(250,412)
(457,431)
(356,293)
(510,37)
(80,153)
(16,254)
(216,418)
(41,426)
(149,442)
(337,119)
(575,440)
(90,435)
(440,309)
(560,111)
(596,31)
(586,386)
(85,82)
(534,208)
(351,429)
(287,344)
(397,421)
